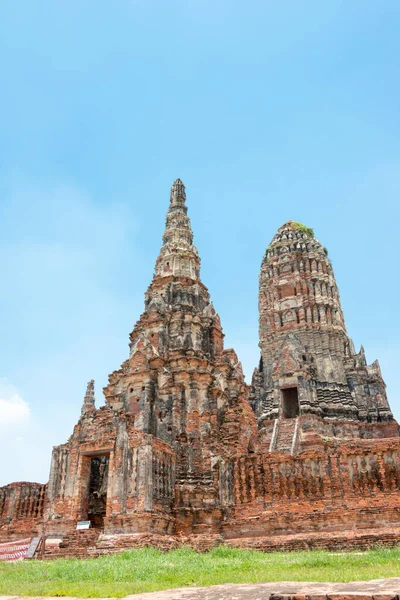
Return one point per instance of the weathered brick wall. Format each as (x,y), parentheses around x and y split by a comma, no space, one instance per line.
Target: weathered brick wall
(353,486)
(355,468)
(21,508)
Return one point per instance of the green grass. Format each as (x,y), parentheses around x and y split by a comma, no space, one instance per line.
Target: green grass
(150,570)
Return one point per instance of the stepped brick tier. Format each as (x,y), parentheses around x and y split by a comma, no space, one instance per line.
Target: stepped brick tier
(184,451)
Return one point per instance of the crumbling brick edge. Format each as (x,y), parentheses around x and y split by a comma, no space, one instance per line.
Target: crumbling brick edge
(334,596)
(313,596)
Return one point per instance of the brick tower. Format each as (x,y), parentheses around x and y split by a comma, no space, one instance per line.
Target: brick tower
(308,364)
(179,383)
(176,409)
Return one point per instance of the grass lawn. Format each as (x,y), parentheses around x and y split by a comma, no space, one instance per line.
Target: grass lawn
(150,570)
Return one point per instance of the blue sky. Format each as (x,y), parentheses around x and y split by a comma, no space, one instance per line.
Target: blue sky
(267,111)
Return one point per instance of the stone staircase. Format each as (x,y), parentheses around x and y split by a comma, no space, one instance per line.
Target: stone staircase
(285,435)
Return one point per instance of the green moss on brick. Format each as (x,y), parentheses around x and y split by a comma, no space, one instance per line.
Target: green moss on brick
(303,228)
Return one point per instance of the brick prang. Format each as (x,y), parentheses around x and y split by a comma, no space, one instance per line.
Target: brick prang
(183,451)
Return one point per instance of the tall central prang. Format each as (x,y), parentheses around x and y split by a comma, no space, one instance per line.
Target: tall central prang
(178,382)
(178,403)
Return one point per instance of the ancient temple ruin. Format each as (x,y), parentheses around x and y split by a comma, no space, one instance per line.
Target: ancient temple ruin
(308,366)
(184,451)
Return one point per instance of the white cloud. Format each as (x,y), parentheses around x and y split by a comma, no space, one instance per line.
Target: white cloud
(14,411)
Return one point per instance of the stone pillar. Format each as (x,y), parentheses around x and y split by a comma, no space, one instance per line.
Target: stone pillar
(145,476)
(336,483)
(225,482)
(110,482)
(80,507)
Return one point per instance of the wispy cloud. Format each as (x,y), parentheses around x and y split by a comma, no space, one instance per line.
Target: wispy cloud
(14,410)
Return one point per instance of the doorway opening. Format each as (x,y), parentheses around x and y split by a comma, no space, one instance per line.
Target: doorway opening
(290,403)
(98,480)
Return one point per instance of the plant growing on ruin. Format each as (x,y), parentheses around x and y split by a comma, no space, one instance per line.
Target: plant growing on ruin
(304,229)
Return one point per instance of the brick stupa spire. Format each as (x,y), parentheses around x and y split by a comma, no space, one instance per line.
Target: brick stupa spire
(176,409)
(89,399)
(178,255)
(308,363)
